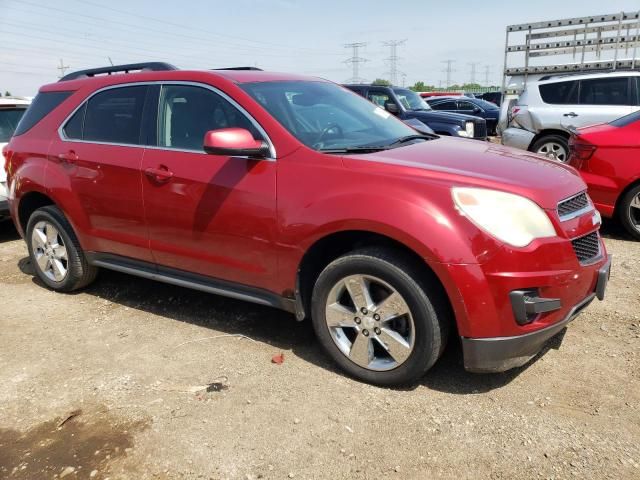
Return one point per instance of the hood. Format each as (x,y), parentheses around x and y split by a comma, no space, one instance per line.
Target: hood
(482,164)
(443,117)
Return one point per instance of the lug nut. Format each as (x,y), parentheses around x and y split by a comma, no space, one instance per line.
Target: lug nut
(357,320)
(364,311)
(377,330)
(376,317)
(365,333)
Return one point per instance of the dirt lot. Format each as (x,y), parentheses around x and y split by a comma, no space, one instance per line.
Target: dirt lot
(155,386)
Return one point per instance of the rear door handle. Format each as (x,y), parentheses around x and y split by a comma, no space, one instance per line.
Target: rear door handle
(571,114)
(69,157)
(161,174)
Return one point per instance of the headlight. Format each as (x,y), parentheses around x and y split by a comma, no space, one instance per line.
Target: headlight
(469,130)
(510,218)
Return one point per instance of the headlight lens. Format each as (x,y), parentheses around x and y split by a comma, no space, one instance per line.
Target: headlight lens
(469,130)
(510,218)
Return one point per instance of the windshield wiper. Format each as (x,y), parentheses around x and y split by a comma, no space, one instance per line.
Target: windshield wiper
(353,149)
(408,138)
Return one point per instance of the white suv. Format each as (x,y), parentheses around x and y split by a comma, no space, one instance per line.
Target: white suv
(11,111)
(551,107)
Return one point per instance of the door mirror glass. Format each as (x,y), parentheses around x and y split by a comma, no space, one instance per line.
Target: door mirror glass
(237,142)
(476,110)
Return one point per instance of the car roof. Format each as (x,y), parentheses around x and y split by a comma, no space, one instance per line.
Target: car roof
(585,76)
(14,101)
(235,76)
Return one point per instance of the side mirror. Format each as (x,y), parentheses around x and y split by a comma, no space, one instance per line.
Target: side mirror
(477,109)
(234,142)
(391,107)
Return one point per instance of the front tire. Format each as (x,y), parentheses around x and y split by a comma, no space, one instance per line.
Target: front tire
(379,317)
(55,252)
(554,147)
(629,212)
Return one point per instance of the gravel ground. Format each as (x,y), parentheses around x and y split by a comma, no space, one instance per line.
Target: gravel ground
(136,379)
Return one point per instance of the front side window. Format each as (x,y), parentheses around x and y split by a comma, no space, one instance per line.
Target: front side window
(187,112)
(605,91)
(560,93)
(115,115)
(325,116)
(466,106)
(9,119)
(448,105)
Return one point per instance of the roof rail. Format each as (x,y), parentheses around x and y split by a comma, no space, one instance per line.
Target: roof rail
(92,72)
(239,68)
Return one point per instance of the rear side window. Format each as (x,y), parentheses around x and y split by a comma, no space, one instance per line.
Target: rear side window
(605,91)
(560,93)
(9,119)
(114,116)
(42,105)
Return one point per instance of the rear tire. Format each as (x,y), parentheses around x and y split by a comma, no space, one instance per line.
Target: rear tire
(555,147)
(394,330)
(55,252)
(629,212)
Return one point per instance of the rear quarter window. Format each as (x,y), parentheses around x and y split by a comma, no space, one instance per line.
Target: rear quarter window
(42,105)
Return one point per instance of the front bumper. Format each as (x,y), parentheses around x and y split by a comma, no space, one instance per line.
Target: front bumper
(517,138)
(497,354)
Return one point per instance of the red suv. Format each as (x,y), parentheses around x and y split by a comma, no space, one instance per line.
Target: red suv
(294,192)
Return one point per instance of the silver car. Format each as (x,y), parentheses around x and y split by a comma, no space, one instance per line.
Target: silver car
(548,109)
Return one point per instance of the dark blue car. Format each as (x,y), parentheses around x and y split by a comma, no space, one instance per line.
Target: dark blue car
(468,106)
(408,106)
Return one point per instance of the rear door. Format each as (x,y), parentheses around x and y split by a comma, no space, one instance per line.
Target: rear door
(99,154)
(599,100)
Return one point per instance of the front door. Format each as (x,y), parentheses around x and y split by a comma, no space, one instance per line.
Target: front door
(213,215)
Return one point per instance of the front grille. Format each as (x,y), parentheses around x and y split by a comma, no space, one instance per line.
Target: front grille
(480,129)
(568,207)
(587,248)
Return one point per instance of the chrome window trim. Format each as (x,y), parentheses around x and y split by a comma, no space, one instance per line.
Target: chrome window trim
(565,218)
(272,149)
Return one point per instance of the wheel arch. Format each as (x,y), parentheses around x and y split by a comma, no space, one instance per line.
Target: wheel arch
(326,249)
(547,132)
(633,184)
(29,203)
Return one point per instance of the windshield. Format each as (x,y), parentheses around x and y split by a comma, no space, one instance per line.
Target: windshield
(9,118)
(325,116)
(411,100)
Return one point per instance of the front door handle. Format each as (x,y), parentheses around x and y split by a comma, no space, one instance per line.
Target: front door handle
(571,114)
(161,174)
(69,157)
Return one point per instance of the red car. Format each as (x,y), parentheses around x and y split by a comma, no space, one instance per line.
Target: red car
(608,158)
(294,192)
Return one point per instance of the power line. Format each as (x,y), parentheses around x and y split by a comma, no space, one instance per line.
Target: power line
(355,61)
(473,66)
(393,59)
(449,70)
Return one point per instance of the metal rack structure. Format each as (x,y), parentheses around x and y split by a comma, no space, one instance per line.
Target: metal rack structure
(595,43)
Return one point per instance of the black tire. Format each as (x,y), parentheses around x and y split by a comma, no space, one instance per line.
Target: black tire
(548,139)
(423,296)
(630,217)
(79,273)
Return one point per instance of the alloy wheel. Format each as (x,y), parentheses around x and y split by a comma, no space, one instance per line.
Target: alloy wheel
(634,212)
(49,251)
(370,322)
(554,150)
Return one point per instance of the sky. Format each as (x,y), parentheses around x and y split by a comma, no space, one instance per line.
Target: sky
(302,36)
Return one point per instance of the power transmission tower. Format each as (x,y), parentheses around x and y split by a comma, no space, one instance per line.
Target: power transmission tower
(473,66)
(449,70)
(63,68)
(487,72)
(393,59)
(355,61)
